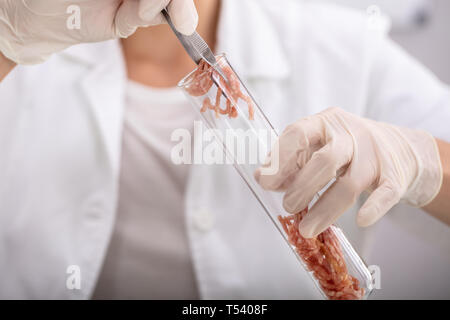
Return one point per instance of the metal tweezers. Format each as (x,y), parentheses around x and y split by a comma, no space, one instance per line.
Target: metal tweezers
(197,48)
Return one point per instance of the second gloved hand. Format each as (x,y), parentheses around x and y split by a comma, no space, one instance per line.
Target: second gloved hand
(32,30)
(390,162)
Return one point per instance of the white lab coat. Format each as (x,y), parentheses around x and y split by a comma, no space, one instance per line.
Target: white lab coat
(60,137)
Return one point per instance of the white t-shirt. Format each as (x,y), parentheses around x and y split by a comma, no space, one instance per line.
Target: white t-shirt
(149,257)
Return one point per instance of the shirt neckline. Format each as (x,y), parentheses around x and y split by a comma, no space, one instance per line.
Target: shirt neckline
(141,92)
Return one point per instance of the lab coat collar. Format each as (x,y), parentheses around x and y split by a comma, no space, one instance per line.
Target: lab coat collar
(103,85)
(250,40)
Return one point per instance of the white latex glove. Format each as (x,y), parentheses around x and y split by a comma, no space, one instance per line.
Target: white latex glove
(32,30)
(390,162)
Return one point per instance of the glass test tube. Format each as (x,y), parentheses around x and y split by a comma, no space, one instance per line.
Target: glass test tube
(231,111)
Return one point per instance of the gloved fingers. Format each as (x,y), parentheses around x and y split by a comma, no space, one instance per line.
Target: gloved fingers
(315,175)
(292,150)
(137,13)
(380,201)
(332,204)
(284,164)
(150,9)
(46,7)
(184,15)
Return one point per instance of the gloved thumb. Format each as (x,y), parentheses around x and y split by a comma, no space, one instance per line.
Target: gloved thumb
(141,13)
(138,13)
(182,12)
(184,15)
(378,204)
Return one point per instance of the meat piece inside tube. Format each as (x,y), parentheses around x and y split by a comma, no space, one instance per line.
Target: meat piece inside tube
(324,258)
(203,82)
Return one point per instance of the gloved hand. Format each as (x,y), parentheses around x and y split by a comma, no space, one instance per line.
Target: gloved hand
(32,30)
(390,162)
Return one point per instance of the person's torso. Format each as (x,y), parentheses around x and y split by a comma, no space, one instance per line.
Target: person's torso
(148,256)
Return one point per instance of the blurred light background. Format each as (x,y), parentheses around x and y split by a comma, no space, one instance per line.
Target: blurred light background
(413,251)
(422,27)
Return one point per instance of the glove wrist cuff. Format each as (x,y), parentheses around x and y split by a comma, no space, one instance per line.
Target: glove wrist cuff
(428,181)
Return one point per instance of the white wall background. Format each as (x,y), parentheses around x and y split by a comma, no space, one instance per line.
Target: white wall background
(430,41)
(431,44)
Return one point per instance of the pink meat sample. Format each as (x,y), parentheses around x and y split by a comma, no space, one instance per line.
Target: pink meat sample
(323,257)
(202,82)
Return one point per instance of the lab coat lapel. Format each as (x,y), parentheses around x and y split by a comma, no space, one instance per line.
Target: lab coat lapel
(250,41)
(104,87)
